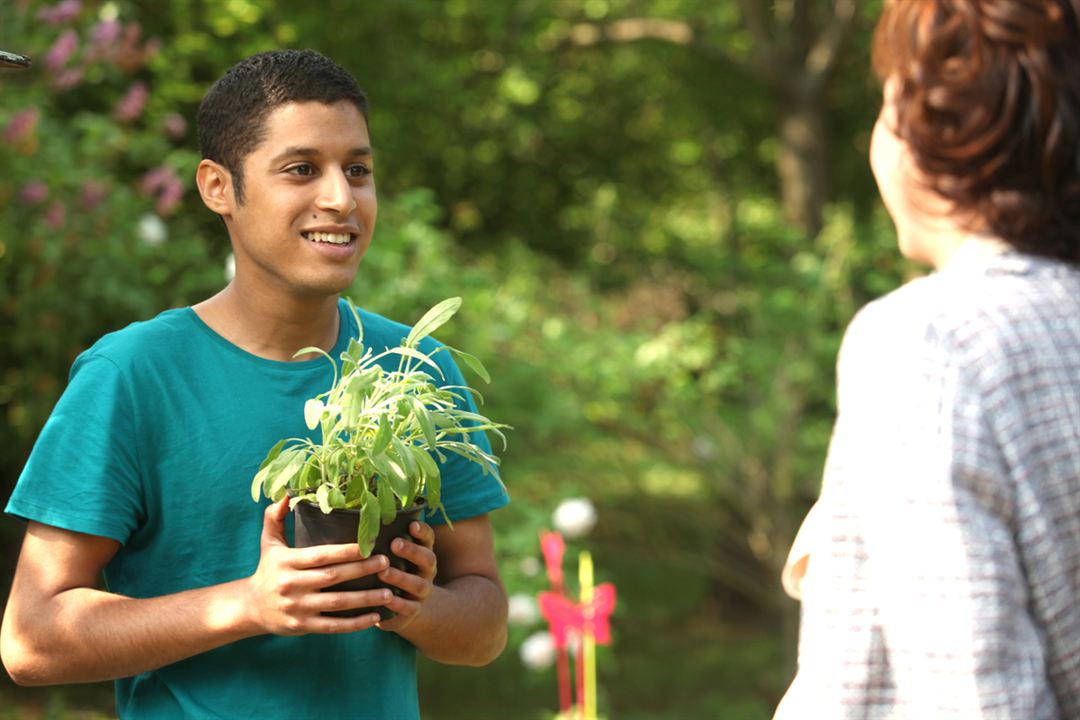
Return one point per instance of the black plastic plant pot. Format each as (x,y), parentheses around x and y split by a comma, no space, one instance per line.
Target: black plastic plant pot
(314,527)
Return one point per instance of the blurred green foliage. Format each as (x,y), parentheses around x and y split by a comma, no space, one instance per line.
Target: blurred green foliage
(662,341)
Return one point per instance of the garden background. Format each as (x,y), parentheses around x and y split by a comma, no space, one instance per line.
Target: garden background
(659,214)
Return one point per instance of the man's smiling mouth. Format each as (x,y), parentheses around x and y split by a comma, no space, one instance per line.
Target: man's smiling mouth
(332,238)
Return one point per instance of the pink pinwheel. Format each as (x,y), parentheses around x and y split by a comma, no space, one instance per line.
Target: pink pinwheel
(591,618)
(553,547)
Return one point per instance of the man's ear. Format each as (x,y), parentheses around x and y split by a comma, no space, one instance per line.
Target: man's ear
(215,187)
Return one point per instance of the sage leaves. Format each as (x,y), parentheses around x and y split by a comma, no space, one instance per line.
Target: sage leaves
(385,421)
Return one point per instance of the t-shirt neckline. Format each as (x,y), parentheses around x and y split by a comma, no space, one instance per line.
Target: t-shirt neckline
(345,331)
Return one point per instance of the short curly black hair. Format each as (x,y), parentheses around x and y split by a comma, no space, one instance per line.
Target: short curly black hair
(988,100)
(232,116)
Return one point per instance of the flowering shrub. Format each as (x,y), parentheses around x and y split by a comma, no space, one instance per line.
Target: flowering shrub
(95,169)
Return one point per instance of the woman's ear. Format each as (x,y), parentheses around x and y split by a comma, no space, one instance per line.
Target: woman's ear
(215,187)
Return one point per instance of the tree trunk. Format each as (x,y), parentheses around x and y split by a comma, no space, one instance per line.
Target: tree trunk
(802,161)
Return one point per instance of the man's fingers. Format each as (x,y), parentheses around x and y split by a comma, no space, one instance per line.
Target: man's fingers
(327,575)
(405,611)
(319,555)
(422,556)
(350,600)
(424,533)
(337,626)
(414,585)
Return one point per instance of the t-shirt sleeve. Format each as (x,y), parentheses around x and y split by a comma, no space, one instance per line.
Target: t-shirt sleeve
(82,474)
(467,490)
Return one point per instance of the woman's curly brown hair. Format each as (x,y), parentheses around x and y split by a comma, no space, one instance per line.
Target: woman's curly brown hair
(988,100)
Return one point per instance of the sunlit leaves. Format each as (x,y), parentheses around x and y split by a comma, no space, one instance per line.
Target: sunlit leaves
(312,413)
(380,427)
(432,320)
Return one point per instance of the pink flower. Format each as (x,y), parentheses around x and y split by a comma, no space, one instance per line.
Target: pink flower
(55,216)
(175,125)
(155,179)
(163,182)
(127,54)
(61,13)
(68,78)
(105,33)
(151,48)
(169,198)
(34,192)
(22,126)
(92,194)
(62,50)
(132,104)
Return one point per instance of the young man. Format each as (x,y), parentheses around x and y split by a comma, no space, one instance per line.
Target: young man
(142,471)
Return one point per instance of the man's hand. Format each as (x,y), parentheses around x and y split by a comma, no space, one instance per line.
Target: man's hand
(417,586)
(284,593)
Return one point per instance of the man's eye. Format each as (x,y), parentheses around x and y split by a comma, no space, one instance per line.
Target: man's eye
(303,169)
(358,171)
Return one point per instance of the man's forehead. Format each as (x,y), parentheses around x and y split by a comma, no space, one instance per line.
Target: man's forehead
(315,127)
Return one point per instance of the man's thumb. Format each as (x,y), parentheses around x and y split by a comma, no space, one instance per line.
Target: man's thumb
(273,532)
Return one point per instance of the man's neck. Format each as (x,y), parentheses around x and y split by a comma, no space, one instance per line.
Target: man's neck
(270,326)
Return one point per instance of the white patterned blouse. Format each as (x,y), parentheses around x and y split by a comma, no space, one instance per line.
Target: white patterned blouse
(942,561)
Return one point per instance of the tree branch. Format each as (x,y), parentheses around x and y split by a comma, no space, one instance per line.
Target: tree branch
(676,32)
(631,29)
(822,55)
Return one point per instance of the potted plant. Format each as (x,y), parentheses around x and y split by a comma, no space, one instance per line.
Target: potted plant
(374,470)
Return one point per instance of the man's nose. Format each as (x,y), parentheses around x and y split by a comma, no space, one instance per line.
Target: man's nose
(335,193)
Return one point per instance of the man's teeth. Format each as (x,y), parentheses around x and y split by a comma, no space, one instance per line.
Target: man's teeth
(334,238)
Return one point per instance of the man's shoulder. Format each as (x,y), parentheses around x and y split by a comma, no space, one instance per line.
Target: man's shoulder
(165,334)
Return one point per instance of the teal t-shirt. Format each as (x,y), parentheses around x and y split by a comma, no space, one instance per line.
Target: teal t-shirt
(154,444)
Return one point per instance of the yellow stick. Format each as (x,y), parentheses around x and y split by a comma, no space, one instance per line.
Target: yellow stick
(585,577)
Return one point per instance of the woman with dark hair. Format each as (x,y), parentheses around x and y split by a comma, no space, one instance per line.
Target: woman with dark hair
(940,570)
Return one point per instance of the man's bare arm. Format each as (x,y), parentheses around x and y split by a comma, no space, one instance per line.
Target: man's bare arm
(59,628)
(459,619)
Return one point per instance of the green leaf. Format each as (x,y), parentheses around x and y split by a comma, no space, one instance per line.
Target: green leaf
(406,460)
(273,453)
(335,497)
(427,464)
(359,325)
(294,501)
(424,418)
(416,355)
(473,362)
(260,476)
(355,350)
(392,472)
(279,482)
(322,497)
(320,351)
(428,468)
(369,525)
(382,436)
(433,491)
(309,476)
(270,472)
(313,349)
(257,483)
(313,410)
(387,504)
(432,320)
(356,489)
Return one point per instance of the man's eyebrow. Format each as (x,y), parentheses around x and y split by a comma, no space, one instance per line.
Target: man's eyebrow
(308,152)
